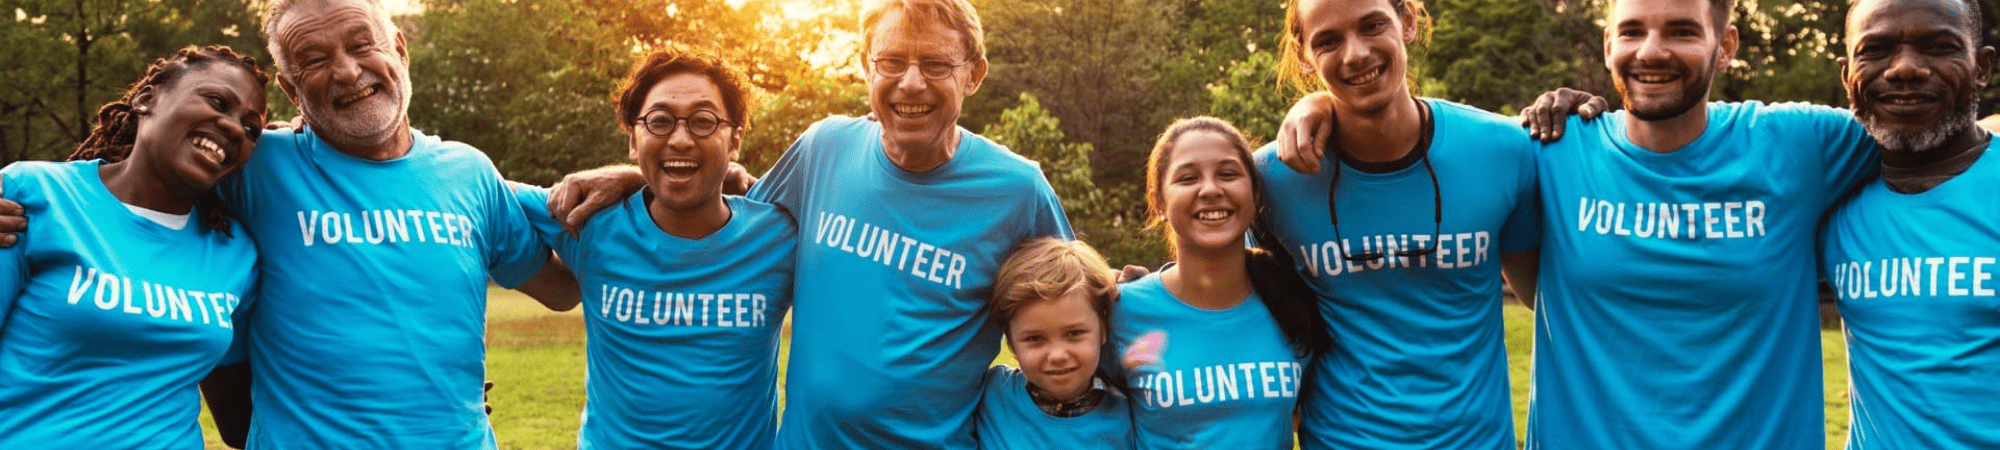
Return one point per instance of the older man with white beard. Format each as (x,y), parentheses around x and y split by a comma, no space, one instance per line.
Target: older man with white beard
(377,242)
(1913,256)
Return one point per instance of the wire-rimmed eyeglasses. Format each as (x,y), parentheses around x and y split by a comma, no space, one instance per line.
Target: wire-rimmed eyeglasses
(931,69)
(661,123)
(1437,220)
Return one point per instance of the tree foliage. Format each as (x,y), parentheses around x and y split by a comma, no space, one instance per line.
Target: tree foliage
(782,116)
(1099,216)
(537,98)
(1499,54)
(65,58)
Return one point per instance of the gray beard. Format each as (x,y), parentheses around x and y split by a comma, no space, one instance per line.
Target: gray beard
(1948,126)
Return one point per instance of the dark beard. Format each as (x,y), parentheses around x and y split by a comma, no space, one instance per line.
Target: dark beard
(1697,84)
(1695,94)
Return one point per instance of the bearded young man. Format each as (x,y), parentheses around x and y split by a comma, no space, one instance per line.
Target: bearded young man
(1677,302)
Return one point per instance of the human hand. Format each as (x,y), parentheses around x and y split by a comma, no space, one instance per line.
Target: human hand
(1550,112)
(581,195)
(13,221)
(1305,131)
(738,180)
(1132,272)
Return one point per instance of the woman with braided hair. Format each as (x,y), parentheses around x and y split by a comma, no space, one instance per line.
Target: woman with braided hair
(127,295)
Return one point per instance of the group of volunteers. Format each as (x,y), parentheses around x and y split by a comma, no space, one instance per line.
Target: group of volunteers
(324,284)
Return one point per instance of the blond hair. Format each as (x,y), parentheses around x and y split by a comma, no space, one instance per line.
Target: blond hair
(958,14)
(1048,268)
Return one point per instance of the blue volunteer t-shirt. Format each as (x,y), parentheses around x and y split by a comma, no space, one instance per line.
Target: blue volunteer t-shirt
(1916,277)
(1419,358)
(1226,378)
(1009,419)
(370,324)
(890,336)
(107,319)
(1678,303)
(683,333)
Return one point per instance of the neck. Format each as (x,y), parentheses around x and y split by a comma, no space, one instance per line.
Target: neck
(1209,280)
(1913,172)
(138,188)
(1379,136)
(395,147)
(692,223)
(1666,135)
(922,159)
(1967,139)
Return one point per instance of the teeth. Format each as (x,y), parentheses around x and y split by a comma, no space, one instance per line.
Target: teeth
(1653,78)
(209,146)
(912,109)
(357,95)
(678,164)
(1212,215)
(1371,76)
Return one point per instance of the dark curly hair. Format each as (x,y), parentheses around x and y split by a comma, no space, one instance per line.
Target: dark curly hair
(675,59)
(117,127)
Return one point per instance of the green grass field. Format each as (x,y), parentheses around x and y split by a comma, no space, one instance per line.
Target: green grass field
(535,359)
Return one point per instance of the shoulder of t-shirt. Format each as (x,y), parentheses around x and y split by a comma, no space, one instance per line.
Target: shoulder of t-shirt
(764,216)
(1760,114)
(1145,287)
(1464,123)
(40,174)
(447,153)
(1474,119)
(40,170)
(836,125)
(985,155)
(1265,156)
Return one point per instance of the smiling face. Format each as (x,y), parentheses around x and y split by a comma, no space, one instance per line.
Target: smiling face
(683,171)
(919,115)
(1358,49)
(1057,341)
(1206,192)
(1663,54)
(199,127)
(1913,71)
(347,70)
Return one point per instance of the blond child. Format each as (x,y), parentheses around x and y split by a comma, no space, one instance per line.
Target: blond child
(1053,298)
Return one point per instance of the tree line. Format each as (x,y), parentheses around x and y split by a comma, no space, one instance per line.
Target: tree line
(1083,86)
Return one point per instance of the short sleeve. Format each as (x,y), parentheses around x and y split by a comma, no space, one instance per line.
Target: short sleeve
(1523,229)
(239,334)
(13,260)
(513,251)
(1049,217)
(534,201)
(1845,152)
(783,184)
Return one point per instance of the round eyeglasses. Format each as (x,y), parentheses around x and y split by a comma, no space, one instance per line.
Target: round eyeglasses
(932,70)
(700,124)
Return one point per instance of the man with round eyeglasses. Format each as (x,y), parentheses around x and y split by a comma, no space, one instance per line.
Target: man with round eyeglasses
(903,221)
(679,272)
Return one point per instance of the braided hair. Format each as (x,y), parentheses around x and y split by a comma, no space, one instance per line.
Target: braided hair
(117,127)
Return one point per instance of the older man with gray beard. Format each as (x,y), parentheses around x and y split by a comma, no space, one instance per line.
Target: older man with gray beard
(1913,256)
(377,242)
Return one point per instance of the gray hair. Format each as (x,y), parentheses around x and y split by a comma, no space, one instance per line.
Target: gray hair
(279,8)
